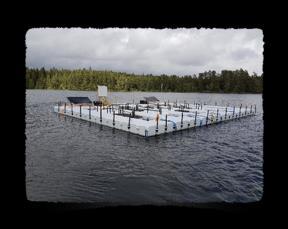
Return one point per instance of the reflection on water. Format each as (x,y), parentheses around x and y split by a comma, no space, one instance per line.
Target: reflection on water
(73,160)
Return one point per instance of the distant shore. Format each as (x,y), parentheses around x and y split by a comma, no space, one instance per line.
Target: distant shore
(203,92)
(227,81)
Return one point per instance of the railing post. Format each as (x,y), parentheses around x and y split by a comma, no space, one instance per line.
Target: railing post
(207,117)
(195,118)
(89,111)
(129,121)
(80,110)
(157,120)
(251,109)
(240,111)
(72,108)
(65,108)
(217,115)
(255,108)
(245,109)
(113,118)
(182,120)
(225,113)
(233,112)
(100,113)
(58,107)
(166,122)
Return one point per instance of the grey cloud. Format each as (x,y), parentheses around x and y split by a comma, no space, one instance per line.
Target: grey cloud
(243,54)
(149,51)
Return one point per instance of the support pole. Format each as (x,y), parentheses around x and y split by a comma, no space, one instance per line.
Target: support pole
(65,108)
(58,107)
(233,112)
(100,113)
(182,120)
(225,113)
(157,120)
(80,110)
(195,118)
(240,111)
(217,115)
(113,118)
(72,108)
(207,117)
(166,122)
(255,108)
(129,121)
(89,111)
(245,110)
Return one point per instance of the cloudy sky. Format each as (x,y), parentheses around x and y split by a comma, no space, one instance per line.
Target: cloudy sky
(149,51)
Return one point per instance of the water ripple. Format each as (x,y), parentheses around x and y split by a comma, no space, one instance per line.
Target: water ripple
(73,161)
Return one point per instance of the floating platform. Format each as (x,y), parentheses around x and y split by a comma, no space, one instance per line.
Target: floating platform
(154,119)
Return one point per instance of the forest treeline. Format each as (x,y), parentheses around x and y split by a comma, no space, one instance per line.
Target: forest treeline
(227,81)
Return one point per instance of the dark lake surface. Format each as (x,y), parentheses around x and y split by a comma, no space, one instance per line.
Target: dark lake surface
(71,160)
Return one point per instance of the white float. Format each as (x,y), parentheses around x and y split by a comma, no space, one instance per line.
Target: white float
(158,119)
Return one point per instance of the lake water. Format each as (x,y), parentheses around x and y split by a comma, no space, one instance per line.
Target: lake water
(71,160)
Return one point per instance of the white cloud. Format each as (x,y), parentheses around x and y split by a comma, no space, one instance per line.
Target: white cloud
(150,51)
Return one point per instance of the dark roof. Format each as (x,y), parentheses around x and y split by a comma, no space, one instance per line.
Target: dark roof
(78,100)
(151,99)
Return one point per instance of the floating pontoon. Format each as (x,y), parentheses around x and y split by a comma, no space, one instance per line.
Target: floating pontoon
(151,118)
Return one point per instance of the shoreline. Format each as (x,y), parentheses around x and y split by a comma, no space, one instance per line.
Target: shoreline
(237,93)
